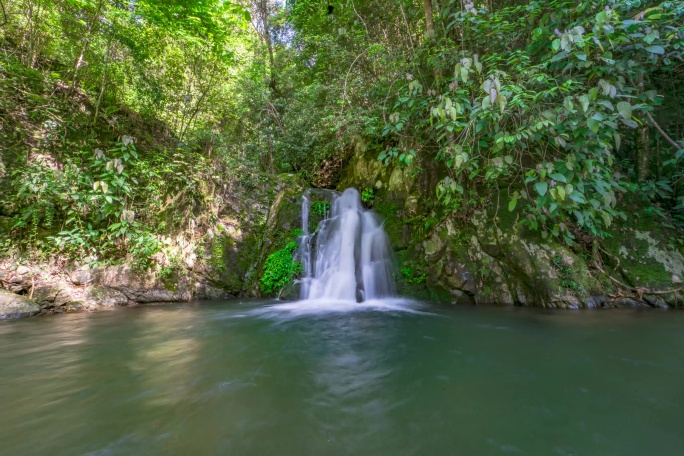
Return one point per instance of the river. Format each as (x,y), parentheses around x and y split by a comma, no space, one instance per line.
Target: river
(393,378)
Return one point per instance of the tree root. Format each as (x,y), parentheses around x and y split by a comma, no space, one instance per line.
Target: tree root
(639,291)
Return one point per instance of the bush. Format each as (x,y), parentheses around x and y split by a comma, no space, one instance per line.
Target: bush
(280,268)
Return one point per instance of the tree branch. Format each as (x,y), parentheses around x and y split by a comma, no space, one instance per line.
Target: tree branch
(662,132)
(4,14)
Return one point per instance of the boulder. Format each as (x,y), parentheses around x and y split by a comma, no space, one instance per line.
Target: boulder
(95,297)
(145,287)
(205,291)
(82,276)
(16,306)
(648,255)
(291,292)
(595,302)
(52,295)
(630,303)
(14,282)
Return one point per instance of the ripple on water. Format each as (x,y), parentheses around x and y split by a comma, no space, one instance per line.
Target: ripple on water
(326,306)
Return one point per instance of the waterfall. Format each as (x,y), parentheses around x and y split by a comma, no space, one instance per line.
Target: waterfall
(348,257)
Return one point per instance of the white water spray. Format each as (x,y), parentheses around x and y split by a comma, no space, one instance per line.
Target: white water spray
(348,257)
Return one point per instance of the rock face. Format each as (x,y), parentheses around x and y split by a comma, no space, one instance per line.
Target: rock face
(105,297)
(487,258)
(53,295)
(82,276)
(244,234)
(16,306)
(492,262)
(222,263)
(142,287)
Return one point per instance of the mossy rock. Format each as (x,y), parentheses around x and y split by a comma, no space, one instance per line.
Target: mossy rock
(648,254)
(15,306)
(230,263)
(282,227)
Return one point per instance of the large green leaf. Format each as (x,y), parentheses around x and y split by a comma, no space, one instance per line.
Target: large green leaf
(541,188)
(558,177)
(625,110)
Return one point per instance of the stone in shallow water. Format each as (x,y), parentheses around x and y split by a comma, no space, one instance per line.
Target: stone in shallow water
(16,306)
(630,303)
(595,302)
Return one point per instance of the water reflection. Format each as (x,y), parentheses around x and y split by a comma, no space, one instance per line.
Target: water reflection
(257,379)
(165,353)
(349,371)
(51,359)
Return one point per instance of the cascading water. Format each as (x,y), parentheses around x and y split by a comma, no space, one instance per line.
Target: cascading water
(348,257)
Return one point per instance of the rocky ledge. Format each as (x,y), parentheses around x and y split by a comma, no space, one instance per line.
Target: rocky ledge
(27,291)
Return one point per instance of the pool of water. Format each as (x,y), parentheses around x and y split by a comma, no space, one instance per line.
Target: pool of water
(385,378)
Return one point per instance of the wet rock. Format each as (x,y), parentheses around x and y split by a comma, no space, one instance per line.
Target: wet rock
(16,306)
(648,256)
(205,291)
(630,303)
(567,302)
(457,276)
(433,245)
(595,302)
(674,299)
(656,301)
(461,297)
(291,291)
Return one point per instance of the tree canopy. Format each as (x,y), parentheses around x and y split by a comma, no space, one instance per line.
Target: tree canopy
(569,109)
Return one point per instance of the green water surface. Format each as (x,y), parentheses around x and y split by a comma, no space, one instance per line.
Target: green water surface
(245,378)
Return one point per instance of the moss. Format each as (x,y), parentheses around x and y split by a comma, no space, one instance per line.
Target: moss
(411,275)
(393,226)
(170,279)
(438,293)
(219,245)
(645,257)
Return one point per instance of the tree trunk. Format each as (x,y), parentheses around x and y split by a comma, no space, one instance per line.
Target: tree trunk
(86,42)
(429,22)
(643,158)
(266,34)
(102,86)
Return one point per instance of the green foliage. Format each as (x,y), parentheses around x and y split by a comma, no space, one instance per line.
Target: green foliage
(541,112)
(411,275)
(217,254)
(368,195)
(280,269)
(484,271)
(565,273)
(321,208)
(563,106)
